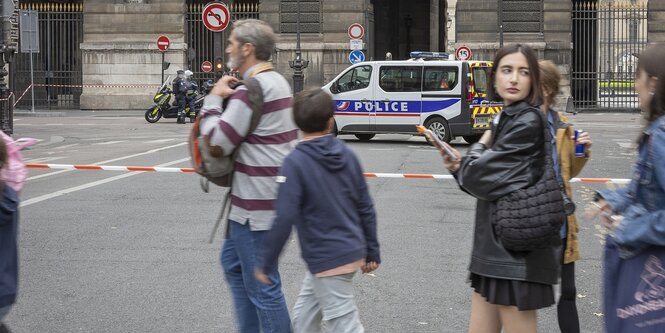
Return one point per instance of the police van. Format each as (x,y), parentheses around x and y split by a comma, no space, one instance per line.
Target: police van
(446,96)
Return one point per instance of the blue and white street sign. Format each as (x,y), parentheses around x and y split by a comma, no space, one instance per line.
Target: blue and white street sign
(356,56)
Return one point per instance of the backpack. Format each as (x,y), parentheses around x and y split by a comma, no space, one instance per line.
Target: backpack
(14,172)
(208,161)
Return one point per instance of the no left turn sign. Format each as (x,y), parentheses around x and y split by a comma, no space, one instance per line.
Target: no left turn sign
(216,16)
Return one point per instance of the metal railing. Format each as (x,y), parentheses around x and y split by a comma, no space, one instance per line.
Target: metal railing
(57,67)
(606,37)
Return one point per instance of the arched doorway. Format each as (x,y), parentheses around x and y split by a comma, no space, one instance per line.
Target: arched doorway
(404,26)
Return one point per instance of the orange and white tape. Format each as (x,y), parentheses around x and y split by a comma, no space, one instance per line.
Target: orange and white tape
(99,85)
(367,174)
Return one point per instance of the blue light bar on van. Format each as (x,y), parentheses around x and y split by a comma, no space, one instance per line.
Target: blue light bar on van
(429,55)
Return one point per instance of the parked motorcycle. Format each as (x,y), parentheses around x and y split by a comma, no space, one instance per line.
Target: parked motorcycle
(164,108)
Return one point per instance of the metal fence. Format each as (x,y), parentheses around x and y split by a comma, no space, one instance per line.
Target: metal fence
(201,41)
(606,37)
(57,67)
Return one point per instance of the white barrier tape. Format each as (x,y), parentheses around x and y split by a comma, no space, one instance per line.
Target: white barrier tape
(367,174)
(23,94)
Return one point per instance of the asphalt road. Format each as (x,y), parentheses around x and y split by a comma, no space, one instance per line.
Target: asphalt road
(105,251)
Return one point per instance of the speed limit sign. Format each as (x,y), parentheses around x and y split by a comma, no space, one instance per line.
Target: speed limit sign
(463,53)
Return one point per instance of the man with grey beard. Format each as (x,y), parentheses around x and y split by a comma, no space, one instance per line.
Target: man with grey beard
(259,307)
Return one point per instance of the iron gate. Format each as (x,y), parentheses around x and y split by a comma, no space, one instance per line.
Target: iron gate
(201,40)
(57,67)
(606,37)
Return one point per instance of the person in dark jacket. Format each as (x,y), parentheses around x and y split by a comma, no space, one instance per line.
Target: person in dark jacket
(180,90)
(508,286)
(8,247)
(324,194)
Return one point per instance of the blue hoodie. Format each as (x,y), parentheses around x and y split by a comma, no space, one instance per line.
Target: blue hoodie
(8,250)
(324,194)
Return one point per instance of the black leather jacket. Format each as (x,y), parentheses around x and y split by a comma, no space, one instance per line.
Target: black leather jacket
(514,160)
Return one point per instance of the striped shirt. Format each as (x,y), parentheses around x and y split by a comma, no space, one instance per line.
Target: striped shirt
(261,153)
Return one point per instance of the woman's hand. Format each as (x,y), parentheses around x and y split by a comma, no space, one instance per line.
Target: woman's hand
(452,163)
(583,138)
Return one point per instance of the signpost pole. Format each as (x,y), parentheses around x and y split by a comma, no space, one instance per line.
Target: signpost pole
(32,83)
(162,82)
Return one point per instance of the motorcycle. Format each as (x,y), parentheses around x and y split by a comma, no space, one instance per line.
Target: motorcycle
(164,108)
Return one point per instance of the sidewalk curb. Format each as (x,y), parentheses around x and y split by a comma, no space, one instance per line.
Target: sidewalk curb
(39,114)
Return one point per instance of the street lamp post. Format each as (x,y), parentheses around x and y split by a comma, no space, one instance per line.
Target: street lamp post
(298,64)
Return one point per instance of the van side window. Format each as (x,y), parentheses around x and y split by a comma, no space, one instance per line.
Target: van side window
(480,75)
(440,78)
(355,79)
(400,78)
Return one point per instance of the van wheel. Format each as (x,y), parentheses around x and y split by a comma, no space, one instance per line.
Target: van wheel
(365,137)
(440,127)
(471,138)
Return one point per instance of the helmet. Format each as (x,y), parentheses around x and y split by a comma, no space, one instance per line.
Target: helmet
(188,73)
(180,71)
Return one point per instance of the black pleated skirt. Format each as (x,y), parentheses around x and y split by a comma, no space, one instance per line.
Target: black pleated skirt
(522,294)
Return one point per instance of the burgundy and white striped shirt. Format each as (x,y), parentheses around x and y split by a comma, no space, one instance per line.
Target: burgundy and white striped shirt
(261,153)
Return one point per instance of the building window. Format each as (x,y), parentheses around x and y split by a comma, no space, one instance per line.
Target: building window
(310,16)
(522,15)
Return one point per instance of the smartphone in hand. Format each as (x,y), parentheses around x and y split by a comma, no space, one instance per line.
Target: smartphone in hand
(434,139)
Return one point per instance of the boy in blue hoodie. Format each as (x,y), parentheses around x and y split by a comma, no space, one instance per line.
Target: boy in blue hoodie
(324,194)
(8,249)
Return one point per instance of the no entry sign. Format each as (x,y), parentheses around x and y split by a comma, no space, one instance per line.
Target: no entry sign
(163,43)
(216,16)
(206,66)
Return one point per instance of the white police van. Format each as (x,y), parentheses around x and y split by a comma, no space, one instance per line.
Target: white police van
(446,96)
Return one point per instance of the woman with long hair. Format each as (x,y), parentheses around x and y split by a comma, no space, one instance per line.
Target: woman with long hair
(508,286)
(635,215)
(567,164)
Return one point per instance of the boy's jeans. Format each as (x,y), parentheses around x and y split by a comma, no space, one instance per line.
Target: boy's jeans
(4,310)
(326,300)
(259,307)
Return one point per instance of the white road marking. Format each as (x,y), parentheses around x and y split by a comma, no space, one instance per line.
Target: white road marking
(44,159)
(68,146)
(160,141)
(89,185)
(111,160)
(109,142)
(380,149)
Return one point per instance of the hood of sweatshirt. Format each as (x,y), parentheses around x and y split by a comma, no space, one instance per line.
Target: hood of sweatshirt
(327,151)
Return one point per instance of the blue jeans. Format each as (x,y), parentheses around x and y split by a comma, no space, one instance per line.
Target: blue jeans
(259,307)
(4,311)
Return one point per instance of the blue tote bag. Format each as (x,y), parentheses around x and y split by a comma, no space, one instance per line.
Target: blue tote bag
(634,290)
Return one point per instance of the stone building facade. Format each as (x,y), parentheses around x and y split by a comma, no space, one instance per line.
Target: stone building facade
(119,36)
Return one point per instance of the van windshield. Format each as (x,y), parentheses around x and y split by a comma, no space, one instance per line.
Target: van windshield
(480,76)
(354,79)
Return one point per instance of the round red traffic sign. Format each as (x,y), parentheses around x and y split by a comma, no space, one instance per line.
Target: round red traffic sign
(163,43)
(216,16)
(206,66)
(356,31)
(463,53)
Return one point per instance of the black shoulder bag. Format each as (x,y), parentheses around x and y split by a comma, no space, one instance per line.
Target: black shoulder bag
(531,218)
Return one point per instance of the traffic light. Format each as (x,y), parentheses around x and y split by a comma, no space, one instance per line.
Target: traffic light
(219,68)
(219,64)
